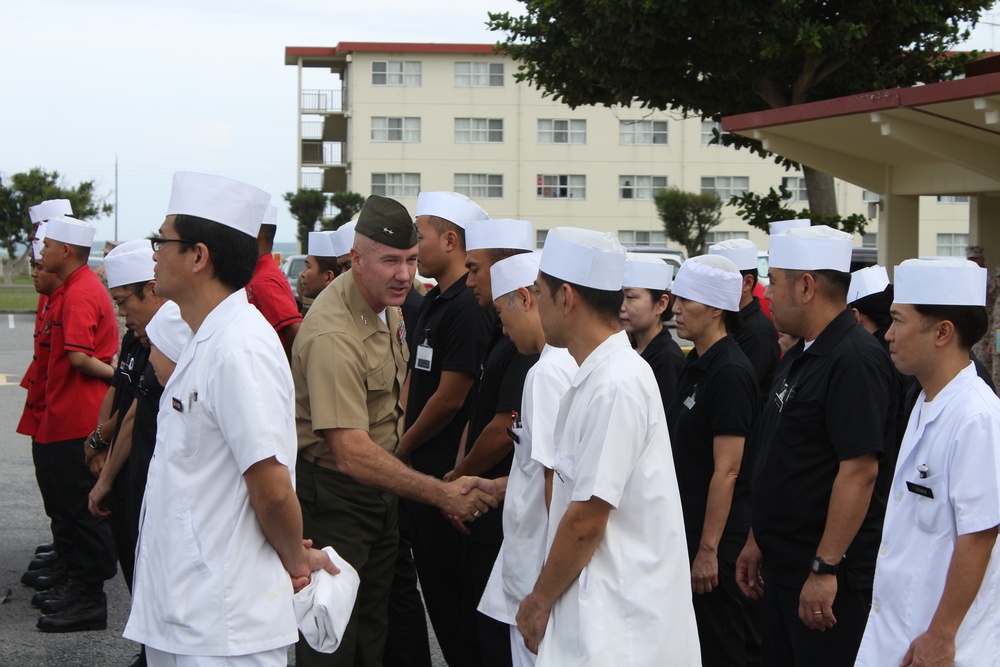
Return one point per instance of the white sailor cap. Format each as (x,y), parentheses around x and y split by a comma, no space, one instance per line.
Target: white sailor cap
(584,257)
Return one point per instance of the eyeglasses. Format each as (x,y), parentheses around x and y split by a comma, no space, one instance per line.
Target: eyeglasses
(121,303)
(158,241)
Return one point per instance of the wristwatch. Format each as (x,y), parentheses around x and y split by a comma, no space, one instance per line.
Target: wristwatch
(820,566)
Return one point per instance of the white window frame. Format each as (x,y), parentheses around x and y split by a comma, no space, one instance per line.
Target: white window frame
(479,130)
(394,184)
(871,197)
(706,132)
(479,186)
(397,129)
(952,245)
(796,186)
(712,238)
(562,131)
(643,133)
(953,199)
(725,186)
(640,187)
(396,73)
(479,75)
(643,238)
(561,186)
(869,240)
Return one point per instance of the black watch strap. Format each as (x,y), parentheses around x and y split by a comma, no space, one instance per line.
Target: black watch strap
(820,566)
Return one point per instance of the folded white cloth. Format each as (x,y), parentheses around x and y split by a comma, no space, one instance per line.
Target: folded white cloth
(323,608)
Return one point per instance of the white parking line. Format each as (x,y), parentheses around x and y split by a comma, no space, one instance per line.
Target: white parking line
(10,320)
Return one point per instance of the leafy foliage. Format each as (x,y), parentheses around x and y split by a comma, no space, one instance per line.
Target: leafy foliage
(759,210)
(348,204)
(307,207)
(688,217)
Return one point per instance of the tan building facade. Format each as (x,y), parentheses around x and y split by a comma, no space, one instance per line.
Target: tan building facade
(398,119)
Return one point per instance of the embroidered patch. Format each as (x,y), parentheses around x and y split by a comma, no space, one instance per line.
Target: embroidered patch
(401,327)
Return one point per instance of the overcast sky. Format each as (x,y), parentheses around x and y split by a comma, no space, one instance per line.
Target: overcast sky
(196,85)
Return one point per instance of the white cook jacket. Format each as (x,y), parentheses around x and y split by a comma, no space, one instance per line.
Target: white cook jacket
(631,604)
(207,582)
(525,519)
(957,436)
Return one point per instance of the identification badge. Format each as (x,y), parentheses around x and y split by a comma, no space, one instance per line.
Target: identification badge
(689,402)
(178,404)
(424,355)
(924,491)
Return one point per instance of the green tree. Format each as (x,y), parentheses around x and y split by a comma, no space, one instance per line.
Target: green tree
(23,190)
(713,58)
(347,205)
(687,217)
(759,210)
(307,207)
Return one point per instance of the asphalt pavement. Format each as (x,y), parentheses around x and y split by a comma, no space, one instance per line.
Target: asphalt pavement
(23,525)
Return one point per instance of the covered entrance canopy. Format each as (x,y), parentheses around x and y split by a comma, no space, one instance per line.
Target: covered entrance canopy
(937,139)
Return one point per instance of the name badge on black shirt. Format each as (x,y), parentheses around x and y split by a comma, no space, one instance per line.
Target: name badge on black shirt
(689,401)
(424,356)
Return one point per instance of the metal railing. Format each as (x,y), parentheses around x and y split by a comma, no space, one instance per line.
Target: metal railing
(323,101)
(312,130)
(327,152)
(312,180)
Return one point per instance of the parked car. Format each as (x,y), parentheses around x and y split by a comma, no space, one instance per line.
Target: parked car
(863,257)
(669,255)
(292,267)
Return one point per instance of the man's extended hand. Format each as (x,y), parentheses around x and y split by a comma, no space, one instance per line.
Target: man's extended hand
(532,619)
(472,504)
(313,559)
(816,601)
(748,574)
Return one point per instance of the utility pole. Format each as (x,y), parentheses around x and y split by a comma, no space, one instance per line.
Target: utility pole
(116,197)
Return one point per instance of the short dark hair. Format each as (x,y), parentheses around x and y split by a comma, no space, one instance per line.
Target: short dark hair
(876,307)
(267,232)
(605,303)
(233,253)
(442,226)
(970,321)
(494,255)
(834,283)
(656,295)
(327,264)
(139,289)
(750,272)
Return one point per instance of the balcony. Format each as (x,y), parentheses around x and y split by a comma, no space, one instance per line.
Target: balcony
(323,101)
(322,153)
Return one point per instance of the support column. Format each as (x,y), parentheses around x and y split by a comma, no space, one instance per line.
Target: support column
(898,229)
(984,227)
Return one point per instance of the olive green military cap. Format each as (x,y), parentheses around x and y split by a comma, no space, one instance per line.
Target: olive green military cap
(387,221)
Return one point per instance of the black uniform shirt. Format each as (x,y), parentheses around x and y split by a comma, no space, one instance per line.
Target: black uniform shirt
(665,357)
(759,341)
(456,329)
(717,395)
(501,383)
(132,361)
(833,402)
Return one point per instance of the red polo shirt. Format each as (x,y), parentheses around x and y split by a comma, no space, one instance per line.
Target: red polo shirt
(83,320)
(34,377)
(269,292)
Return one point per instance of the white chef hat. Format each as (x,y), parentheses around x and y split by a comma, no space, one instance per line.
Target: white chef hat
(50,208)
(70,230)
(779,226)
(947,282)
(867,281)
(219,199)
(321,244)
(647,272)
(450,206)
(270,215)
(36,242)
(743,252)
(811,249)
(168,332)
(130,262)
(584,257)
(713,280)
(343,238)
(512,272)
(323,608)
(501,233)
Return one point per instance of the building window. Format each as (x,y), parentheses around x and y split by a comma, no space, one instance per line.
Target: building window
(640,187)
(478,75)
(479,186)
(396,73)
(869,240)
(562,186)
(952,245)
(796,186)
(718,237)
(389,128)
(638,238)
(540,236)
(396,185)
(479,130)
(953,199)
(562,131)
(725,186)
(641,132)
(708,128)
(869,196)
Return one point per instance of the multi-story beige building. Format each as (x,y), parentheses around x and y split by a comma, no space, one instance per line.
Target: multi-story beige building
(397,119)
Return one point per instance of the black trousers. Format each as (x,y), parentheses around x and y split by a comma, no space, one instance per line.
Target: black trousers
(360,523)
(408,644)
(492,635)
(787,642)
(83,540)
(121,526)
(720,613)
